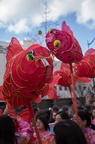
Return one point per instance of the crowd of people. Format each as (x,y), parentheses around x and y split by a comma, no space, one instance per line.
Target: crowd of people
(55,126)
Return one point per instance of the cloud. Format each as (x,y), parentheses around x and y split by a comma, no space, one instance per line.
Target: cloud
(86,13)
(19,27)
(20,15)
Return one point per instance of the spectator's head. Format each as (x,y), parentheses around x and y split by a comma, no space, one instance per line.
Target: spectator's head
(54,115)
(84,118)
(7,130)
(93,113)
(65,109)
(93,103)
(61,116)
(2,107)
(55,108)
(36,110)
(58,117)
(68,132)
(88,108)
(65,115)
(42,123)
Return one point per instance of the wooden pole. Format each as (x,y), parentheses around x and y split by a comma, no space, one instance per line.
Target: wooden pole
(73,94)
(34,122)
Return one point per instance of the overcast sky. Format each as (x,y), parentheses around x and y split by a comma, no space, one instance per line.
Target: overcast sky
(21,16)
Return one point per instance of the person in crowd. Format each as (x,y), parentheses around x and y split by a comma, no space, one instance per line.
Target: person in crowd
(65,109)
(36,110)
(52,117)
(65,115)
(61,116)
(44,131)
(88,108)
(68,132)
(93,115)
(7,130)
(93,103)
(47,113)
(58,117)
(8,133)
(2,108)
(55,108)
(85,124)
(42,113)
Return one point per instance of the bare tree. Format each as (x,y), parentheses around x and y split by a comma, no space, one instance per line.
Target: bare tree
(44,27)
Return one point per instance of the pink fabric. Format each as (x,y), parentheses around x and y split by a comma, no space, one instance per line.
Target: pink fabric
(47,138)
(24,131)
(93,122)
(89,135)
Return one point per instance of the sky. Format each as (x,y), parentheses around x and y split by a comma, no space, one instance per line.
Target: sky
(24,18)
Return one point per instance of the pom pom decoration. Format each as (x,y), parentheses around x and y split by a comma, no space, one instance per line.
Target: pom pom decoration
(56,43)
(39,32)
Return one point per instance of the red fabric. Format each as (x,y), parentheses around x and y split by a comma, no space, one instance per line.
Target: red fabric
(26,115)
(65,79)
(25,79)
(52,94)
(90,51)
(86,67)
(12,112)
(65,76)
(1,95)
(69,50)
(1,112)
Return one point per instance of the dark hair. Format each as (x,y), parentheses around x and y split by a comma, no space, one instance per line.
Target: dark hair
(80,107)
(2,106)
(41,113)
(88,108)
(93,108)
(55,108)
(52,120)
(85,115)
(44,121)
(68,132)
(64,108)
(7,130)
(63,115)
(59,113)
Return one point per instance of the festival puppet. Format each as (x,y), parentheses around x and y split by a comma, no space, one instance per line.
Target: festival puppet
(66,48)
(65,76)
(63,44)
(27,73)
(86,67)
